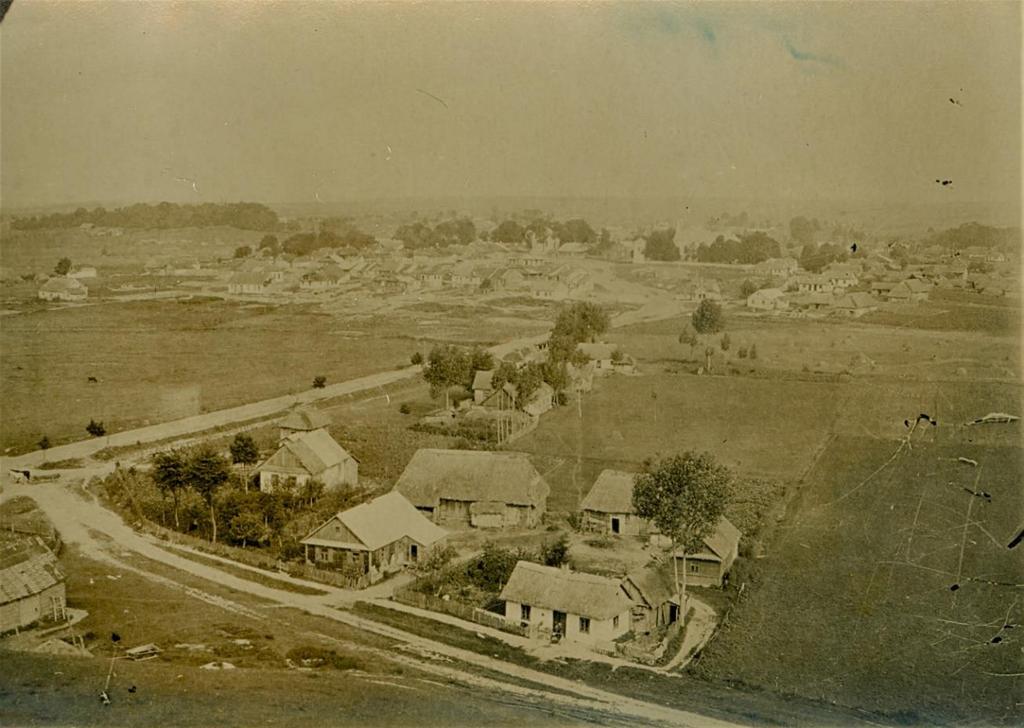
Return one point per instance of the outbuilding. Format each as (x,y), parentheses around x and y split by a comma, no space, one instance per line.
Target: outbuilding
(31,584)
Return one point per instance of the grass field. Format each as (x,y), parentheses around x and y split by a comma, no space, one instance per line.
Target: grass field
(856,601)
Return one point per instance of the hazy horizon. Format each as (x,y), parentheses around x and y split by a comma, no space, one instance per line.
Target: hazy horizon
(310,103)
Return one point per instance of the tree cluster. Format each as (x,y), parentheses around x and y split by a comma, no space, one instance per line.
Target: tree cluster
(815,257)
(165,215)
(449,366)
(975,234)
(576,230)
(575,324)
(308,243)
(660,245)
(457,231)
(749,248)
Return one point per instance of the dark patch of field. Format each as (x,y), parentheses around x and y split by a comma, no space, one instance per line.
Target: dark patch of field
(157,361)
(856,600)
(946,315)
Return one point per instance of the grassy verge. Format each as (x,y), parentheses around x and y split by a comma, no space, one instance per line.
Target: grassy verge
(242,573)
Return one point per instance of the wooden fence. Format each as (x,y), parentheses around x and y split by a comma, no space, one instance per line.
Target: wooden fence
(458,609)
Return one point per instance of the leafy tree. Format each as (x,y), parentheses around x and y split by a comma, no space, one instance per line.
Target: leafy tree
(748,288)
(269,242)
(479,360)
(688,337)
(246,527)
(447,366)
(170,476)
(416,359)
(311,491)
(492,569)
(660,245)
(44,443)
(556,552)
(751,247)
(580,321)
(96,429)
(244,452)
(708,318)
(63,267)
(207,473)
(684,496)
(243,251)
(508,231)
(617,356)
(319,382)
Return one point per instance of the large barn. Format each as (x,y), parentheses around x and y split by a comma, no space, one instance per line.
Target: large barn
(31,584)
(475,488)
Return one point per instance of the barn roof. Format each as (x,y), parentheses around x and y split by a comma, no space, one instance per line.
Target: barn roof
(655,584)
(483,379)
(27,567)
(471,475)
(381,521)
(304,419)
(314,451)
(548,587)
(612,492)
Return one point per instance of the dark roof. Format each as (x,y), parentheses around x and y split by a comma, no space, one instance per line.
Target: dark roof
(655,584)
(548,587)
(471,475)
(27,567)
(612,492)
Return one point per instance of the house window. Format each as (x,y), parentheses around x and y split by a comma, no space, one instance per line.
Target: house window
(524,612)
(694,567)
(615,622)
(585,625)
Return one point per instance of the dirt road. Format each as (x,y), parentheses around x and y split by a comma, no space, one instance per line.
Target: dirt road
(102,535)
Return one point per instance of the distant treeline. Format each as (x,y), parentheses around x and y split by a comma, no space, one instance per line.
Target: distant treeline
(748,248)
(458,231)
(975,234)
(165,215)
(306,243)
(576,230)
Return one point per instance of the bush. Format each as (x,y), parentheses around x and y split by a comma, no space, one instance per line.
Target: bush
(561,399)
(44,444)
(575,520)
(319,382)
(725,342)
(742,352)
(416,359)
(753,351)
(96,429)
(440,558)
(556,552)
(404,408)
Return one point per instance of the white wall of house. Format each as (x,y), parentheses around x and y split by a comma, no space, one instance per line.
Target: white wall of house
(597,630)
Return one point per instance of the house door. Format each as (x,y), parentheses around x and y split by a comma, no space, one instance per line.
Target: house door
(673,613)
(558,622)
(615,525)
(413,552)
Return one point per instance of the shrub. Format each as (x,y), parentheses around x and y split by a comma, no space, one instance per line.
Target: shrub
(404,408)
(556,552)
(575,520)
(416,359)
(319,382)
(440,558)
(725,342)
(561,399)
(44,444)
(742,352)
(96,429)
(753,351)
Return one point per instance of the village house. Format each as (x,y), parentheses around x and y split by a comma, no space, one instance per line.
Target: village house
(373,539)
(777,267)
(301,419)
(812,301)
(655,599)
(812,284)
(248,283)
(855,304)
(31,584)
(566,605)
(608,507)
(607,358)
(709,565)
(475,488)
(304,456)
(61,288)
(330,276)
(767,299)
(910,290)
(548,290)
(573,250)
(85,271)
(482,385)
(701,290)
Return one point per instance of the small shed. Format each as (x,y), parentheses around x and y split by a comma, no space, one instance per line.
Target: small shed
(31,584)
(709,565)
(608,507)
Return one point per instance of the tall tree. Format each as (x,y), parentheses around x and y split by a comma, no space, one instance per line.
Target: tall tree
(708,317)
(170,476)
(207,472)
(244,452)
(447,366)
(684,496)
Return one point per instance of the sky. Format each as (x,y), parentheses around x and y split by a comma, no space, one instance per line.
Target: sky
(301,102)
